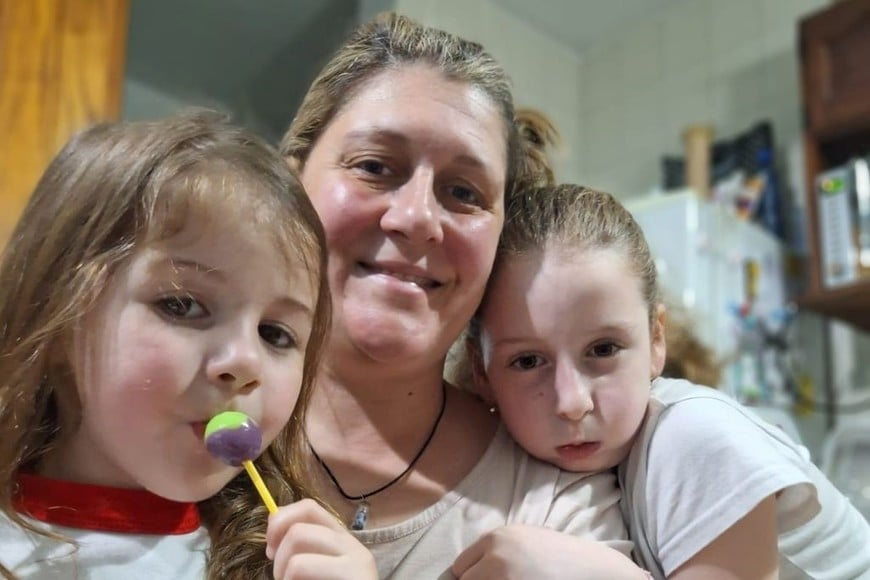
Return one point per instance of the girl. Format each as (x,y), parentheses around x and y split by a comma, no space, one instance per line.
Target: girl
(160,273)
(568,340)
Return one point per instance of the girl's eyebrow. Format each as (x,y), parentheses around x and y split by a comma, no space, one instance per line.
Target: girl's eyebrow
(178,264)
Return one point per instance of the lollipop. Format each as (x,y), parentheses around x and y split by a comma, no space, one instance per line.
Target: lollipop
(235,439)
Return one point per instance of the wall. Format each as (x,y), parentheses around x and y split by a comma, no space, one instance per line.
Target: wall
(545,73)
(725,63)
(729,64)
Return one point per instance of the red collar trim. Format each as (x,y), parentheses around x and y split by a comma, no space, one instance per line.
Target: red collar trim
(106,509)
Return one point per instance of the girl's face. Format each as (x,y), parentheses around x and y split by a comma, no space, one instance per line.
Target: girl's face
(408,179)
(206,321)
(568,355)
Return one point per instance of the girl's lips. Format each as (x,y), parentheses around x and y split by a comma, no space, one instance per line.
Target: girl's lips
(198,429)
(578,451)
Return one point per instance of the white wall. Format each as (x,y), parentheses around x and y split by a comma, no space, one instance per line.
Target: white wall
(545,73)
(727,63)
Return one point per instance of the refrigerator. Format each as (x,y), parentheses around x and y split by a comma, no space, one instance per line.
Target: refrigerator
(727,275)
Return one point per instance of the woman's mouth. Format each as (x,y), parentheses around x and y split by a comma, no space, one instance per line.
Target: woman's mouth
(406,275)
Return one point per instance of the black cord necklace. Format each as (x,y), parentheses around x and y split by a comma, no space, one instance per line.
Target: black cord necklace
(361,516)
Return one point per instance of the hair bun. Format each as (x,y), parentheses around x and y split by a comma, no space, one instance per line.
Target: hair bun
(537,133)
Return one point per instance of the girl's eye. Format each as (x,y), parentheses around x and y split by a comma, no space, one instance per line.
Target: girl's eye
(185,306)
(276,336)
(604,350)
(527,362)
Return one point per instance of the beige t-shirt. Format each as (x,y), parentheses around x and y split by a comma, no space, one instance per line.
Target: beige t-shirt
(507,486)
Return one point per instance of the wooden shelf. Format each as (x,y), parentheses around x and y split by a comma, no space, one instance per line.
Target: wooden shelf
(848,303)
(834,50)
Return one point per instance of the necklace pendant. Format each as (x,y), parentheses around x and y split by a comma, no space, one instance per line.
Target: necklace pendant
(361,517)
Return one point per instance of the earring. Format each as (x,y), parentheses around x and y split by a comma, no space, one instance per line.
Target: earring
(493,410)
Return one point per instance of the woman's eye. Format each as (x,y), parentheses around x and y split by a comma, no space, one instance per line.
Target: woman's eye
(182,307)
(465,195)
(604,350)
(276,336)
(527,362)
(372,167)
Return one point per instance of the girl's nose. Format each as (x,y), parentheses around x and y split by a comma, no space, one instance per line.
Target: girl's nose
(414,211)
(237,363)
(573,395)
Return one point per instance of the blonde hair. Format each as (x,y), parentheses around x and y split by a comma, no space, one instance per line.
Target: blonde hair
(688,358)
(565,217)
(388,42)
(111,189)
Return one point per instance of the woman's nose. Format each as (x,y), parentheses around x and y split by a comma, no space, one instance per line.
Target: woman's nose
(414,211)
(573,395)
(237,363)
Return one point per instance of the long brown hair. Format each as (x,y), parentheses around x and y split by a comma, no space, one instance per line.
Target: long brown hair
(112,188)
(390,41)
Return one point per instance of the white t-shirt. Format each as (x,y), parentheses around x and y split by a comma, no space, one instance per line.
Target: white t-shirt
(122,534)
(507,486)
(102,555)
(702,462)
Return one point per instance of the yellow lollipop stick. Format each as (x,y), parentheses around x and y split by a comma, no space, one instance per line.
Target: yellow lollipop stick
(261,487)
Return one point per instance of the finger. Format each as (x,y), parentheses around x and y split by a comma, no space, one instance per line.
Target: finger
(304,511)
(471,556)
(304,538)
(320,567)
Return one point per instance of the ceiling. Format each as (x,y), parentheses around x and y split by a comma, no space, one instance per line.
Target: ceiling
(579,24)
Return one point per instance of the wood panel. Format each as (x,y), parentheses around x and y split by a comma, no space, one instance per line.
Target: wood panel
(61,69)
(835,52)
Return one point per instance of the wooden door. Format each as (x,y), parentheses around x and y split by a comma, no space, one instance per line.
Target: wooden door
(61,69)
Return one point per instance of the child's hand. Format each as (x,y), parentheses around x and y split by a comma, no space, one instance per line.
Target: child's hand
(305,542)
(521,552)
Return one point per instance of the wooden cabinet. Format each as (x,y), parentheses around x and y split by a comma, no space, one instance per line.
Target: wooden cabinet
(835,71)
(835,50)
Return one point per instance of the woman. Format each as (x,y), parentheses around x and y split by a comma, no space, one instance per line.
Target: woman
(406,144)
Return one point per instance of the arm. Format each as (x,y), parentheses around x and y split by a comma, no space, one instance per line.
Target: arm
(748,549)
(305,542)
(519,552)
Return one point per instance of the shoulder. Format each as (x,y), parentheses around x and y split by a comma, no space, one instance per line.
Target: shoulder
(703,462)
(693,418)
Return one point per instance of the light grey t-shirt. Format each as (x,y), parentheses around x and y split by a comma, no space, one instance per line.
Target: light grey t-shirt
(507,486)
(702,462)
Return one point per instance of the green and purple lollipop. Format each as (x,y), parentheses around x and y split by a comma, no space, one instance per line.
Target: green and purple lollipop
(235,439)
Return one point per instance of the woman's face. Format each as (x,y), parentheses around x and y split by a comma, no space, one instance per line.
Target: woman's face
(408,179)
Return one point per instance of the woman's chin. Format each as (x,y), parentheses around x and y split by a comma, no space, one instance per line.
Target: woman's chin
(392,341)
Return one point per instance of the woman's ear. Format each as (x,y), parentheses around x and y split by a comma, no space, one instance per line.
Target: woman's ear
(658,345)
